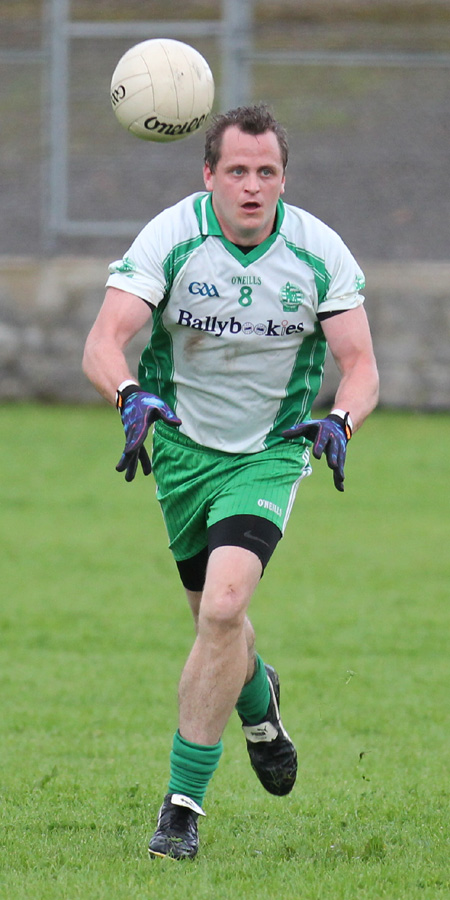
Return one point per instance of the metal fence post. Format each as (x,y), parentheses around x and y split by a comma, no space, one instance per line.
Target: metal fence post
(237,17)
(58,86)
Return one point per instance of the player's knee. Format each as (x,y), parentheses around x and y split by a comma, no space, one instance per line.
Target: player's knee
(224,610)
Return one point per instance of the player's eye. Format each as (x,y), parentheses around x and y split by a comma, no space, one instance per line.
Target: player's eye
(238,170)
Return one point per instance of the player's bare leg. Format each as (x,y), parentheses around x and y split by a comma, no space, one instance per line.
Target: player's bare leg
(210,685)
(195,599)
(272,753)
(219,663)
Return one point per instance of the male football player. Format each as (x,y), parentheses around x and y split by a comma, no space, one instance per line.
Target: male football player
(245,293)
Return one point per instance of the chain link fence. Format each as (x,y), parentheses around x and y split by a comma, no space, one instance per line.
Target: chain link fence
(366,104)
(363,89)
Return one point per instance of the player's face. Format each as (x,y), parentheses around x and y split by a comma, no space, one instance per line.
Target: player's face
(246,185)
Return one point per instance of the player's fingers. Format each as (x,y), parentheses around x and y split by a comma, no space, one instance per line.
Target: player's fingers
(132,466)
(122,464)
(145,461)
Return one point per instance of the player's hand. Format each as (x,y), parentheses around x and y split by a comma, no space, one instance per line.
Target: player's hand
(139,411)
(330,436)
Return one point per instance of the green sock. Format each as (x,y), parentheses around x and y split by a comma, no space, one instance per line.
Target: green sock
(192,767)
(254,699)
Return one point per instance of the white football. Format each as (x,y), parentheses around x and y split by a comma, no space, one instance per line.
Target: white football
(162,90)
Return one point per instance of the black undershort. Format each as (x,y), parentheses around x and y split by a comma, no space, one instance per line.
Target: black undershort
(250,532)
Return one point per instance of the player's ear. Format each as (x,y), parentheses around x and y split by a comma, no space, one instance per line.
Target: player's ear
(208,177)
(283,185)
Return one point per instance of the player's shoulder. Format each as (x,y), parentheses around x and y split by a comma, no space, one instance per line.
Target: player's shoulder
(181,214)
(305,229)
(175,223)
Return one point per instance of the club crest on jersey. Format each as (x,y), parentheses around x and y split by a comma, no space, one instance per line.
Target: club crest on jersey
(291,297)
(125,266)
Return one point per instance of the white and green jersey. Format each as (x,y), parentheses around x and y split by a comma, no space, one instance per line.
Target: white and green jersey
(237,348)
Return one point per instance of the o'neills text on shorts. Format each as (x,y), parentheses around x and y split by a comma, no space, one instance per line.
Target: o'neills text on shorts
(266,504)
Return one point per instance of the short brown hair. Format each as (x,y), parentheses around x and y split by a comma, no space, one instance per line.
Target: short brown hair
(251,120)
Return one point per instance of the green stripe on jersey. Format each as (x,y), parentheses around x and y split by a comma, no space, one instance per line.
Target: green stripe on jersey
(178,256)
(322,277)
(156,366)
(303,385)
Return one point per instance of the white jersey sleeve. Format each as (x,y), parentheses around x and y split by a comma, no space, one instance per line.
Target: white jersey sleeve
(338,276)
(145,269)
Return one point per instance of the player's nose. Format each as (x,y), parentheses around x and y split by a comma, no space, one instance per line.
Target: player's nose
(252,183)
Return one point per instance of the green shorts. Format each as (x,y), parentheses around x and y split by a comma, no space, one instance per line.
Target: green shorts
(198,486)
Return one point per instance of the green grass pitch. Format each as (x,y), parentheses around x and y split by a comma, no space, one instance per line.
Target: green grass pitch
(353,611)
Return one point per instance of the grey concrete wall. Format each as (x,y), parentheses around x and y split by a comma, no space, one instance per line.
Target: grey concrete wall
(48,306)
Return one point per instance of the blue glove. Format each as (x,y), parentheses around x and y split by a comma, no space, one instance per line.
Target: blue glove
(330,436)
(138,410)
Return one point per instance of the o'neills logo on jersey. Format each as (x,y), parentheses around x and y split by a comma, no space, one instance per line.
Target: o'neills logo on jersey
(214,325)
(153,124)
(246,279)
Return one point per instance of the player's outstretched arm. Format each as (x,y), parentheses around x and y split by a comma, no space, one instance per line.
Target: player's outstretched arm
(350,342)
(121,316)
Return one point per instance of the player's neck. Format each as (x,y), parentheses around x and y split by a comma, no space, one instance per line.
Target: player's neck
(245,248)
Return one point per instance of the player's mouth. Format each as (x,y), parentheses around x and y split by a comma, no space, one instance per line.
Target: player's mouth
(251,206)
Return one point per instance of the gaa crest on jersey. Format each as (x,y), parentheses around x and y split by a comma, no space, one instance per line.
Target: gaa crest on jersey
(291,297)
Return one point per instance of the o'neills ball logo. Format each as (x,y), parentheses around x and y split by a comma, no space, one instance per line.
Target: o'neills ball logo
(118,94)
(153,124)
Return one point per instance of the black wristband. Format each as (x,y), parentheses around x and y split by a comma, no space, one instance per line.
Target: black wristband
(122,396)
(344,422)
